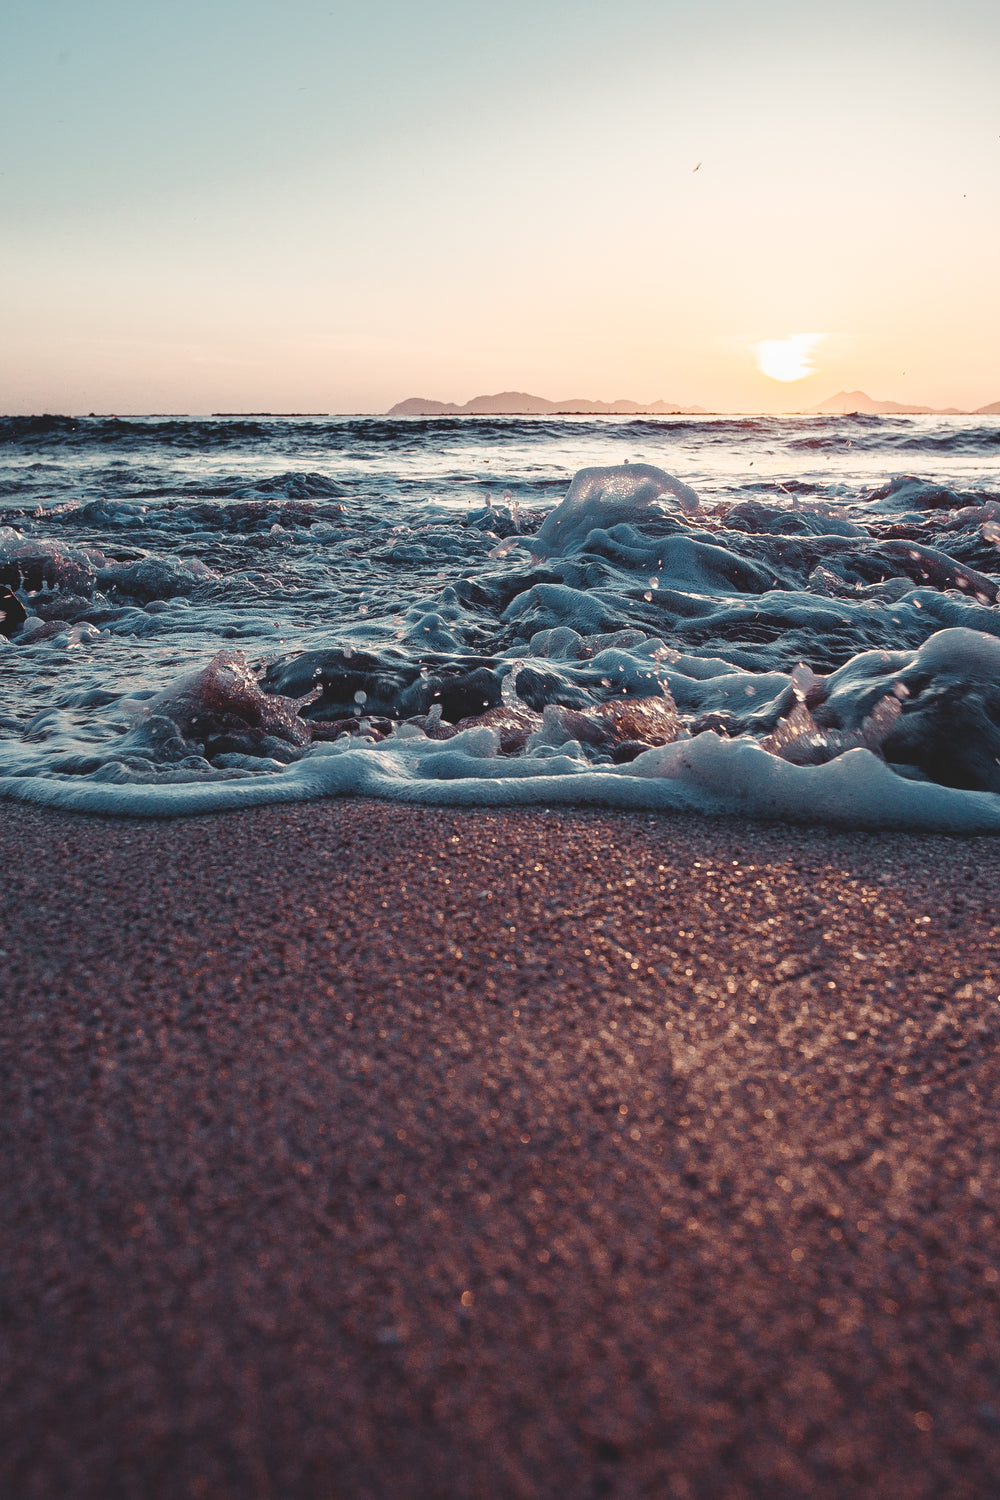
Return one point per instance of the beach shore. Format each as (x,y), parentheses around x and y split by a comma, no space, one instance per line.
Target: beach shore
(359,1150)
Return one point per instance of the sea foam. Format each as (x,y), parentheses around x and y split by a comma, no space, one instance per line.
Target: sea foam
(212,633)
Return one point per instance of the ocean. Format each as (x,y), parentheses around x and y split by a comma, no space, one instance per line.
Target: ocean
(783,617)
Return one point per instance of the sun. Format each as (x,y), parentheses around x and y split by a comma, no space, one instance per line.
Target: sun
(787,359)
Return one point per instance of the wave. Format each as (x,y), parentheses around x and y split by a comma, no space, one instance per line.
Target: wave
(709,775)
(634,646)
(898,435)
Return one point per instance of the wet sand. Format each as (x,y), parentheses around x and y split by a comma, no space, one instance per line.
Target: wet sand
(353,1150)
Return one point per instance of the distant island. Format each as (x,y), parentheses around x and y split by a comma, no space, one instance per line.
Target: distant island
(520,404)
(844,403)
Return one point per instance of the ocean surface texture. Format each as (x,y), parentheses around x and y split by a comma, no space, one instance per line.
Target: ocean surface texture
(792,617)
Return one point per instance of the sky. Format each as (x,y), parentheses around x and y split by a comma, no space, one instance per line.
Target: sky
(236,205)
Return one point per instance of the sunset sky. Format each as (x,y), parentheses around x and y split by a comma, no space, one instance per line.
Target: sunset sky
(241,205)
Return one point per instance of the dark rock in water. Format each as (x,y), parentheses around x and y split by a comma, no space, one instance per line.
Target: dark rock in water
(651,721)
(375,728)
(512,725)
(60,606)
(536,689)
(208,708)
(909,492)
(948,726)
(245,517)
(951,733)
(465,693)
(757,721)
(349,682)
(366,682)
(250,742)
(48,566)
(628,750)
(12,612)
(35,630)
(148,579)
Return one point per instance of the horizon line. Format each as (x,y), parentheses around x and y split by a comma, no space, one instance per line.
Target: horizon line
(901,409)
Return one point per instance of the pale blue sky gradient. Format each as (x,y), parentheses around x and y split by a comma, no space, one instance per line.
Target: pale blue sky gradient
(222,206)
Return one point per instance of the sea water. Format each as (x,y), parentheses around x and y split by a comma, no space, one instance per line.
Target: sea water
(787,617)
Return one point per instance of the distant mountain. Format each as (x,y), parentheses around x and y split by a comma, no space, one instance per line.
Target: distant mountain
(846,402)
(521,404)
(423,406)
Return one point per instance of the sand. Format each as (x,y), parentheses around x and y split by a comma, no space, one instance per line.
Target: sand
(361,1150)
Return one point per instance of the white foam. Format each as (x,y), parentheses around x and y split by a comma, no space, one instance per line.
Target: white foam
(627,607)
(603,497)
(704,774)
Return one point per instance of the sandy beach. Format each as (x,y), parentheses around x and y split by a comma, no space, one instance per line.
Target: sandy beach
(357,1150)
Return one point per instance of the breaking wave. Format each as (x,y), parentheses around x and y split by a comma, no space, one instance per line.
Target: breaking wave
(252,611)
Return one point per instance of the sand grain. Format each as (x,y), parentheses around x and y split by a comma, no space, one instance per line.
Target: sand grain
(334,1164)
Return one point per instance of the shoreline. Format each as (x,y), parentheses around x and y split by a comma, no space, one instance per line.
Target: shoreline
(359,1148)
